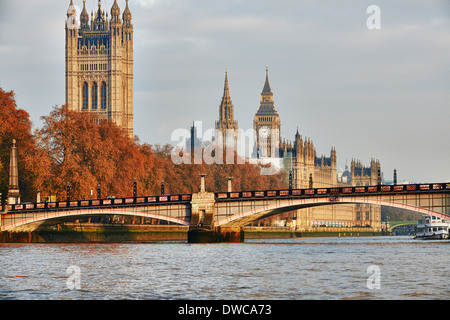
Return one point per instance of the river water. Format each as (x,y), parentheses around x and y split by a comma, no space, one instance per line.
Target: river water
(293,269)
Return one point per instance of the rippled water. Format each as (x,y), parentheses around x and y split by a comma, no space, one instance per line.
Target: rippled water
(315,268)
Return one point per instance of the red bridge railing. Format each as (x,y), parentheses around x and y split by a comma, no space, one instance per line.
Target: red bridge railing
(110,202)
(335,191)
(227,196)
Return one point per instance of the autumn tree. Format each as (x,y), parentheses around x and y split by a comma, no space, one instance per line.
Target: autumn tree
(85,151)
(15,124)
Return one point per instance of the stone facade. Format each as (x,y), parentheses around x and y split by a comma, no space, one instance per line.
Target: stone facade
(99,64)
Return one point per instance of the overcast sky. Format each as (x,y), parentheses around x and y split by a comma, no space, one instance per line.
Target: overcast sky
(372,93)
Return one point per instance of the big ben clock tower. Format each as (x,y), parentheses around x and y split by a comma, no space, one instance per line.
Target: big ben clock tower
(267,124)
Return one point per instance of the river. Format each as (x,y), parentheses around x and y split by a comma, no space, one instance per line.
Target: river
(294,269)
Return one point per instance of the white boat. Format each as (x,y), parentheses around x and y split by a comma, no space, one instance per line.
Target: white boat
(432,227)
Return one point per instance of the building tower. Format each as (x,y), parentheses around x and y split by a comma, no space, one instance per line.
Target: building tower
(267,124)
(226,126)
(99,64)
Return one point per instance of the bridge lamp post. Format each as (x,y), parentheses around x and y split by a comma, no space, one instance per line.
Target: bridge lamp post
(229,179)
(386,224)
(162,187)
(99,191)
(68,191)
(294,176)
(202,182)
(290,180)
(134,188)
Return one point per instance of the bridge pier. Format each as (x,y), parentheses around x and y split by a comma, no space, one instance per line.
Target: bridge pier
(202,229)
(215,235)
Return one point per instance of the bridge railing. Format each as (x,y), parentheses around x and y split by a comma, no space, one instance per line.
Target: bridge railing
(335,191)
(226,196)
(110,202)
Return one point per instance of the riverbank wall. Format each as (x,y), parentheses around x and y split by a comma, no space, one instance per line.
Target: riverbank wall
(99,233)
(87,233)
(280,233)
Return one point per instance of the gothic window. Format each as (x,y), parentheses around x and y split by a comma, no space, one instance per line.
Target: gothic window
(85,96)
(103,95)
(94,95)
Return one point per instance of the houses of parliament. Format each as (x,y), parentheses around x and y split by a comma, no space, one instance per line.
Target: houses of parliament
(99,63)
(99,80)
(299,160)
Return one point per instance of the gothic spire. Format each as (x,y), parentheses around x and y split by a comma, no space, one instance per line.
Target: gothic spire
(115,10)
(84,17)
(267,106)
(267,89)
(99,22)
(226,107)
(226,92)
(126,13)
(226,112)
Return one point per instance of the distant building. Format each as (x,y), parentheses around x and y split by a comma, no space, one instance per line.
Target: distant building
(99,64)
(267,124)
(299,160)
(227,132)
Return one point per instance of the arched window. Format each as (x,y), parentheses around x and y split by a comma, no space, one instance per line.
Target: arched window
(103,95)
(85,96)
(94,96)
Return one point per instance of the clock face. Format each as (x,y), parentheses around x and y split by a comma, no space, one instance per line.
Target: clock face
(264,132)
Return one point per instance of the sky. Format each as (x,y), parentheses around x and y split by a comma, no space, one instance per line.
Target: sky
(372,93)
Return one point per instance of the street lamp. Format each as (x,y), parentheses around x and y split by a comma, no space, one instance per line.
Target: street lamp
(290,180)
(229,179)
(202,182)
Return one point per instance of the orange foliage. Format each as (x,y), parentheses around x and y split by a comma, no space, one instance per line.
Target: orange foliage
(15,124)
(72,147)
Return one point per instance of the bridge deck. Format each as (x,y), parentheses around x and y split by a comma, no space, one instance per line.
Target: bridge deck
(245,205)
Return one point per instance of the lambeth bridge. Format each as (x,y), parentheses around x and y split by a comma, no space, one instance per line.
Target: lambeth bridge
(222,213)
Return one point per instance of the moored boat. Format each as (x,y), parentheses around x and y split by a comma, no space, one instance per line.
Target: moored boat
(432,227)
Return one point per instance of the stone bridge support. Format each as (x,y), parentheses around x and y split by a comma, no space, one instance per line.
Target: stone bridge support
(202,229)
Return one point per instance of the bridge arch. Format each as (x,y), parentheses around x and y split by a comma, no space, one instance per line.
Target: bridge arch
(55,217)
(244,218)
(392,225)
